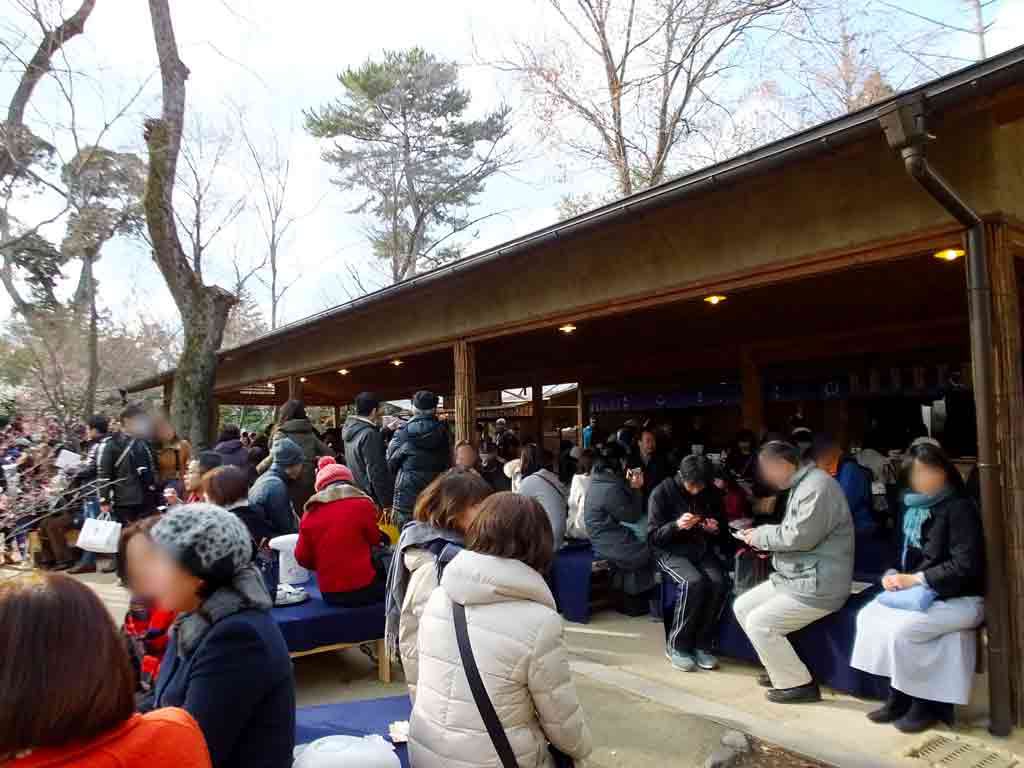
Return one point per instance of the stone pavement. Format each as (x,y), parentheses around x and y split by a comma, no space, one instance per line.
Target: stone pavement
(643,712)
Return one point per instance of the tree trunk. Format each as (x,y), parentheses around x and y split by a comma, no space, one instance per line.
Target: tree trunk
(204,322)
(204,309)
(89,399)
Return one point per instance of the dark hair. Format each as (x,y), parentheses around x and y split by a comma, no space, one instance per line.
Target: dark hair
(365,403)
(821,445)
(585,463)
(487,446)
(745,436)
(513,526)
(293,409)
(781,450)
(52,698)
(225,485)
(442,503)
(695,470)
(229,432)
(608,457)
(208,460)
(261,441)
(141,528)
(132,411)
(531,460)
(99,422)
(651,429)
(933,456)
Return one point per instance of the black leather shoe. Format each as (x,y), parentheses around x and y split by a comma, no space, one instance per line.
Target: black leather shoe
(896,707)
(802,694)
(920,717)
(764,680)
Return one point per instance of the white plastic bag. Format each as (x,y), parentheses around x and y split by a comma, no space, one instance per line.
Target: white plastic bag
(291,571)
(100,535)
(347,752)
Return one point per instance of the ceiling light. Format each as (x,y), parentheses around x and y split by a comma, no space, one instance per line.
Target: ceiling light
(343,371)
(270,385)
(302,379)
(396,362)
(949,254)
(567,328)
(715,300)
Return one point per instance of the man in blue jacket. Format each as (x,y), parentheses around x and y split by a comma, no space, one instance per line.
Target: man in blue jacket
(269,495)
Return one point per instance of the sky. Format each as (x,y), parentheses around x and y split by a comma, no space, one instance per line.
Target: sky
(271,60)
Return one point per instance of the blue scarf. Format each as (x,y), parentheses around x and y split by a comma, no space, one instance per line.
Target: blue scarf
(918,512)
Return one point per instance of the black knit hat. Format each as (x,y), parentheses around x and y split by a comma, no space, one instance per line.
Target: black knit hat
(424,400)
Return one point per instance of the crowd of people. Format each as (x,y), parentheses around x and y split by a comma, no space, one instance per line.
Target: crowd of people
(466,585)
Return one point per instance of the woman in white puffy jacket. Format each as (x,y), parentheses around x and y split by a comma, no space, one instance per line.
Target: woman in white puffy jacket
(517,640)
(443,513)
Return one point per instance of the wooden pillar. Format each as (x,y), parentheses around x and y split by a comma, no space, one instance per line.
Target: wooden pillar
(537,390)
(294,388)
(1009,426)
(337,416)
(465,391)
(168,395)
(752,387)
(581,414)
(214,421)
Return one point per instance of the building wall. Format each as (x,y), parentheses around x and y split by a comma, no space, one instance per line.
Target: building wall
(859,195)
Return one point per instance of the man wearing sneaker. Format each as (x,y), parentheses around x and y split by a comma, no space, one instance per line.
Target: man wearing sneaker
(813,557)
(684,519)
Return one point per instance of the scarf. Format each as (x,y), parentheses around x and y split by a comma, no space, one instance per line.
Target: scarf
(918,512)
(246,591)
(415,534)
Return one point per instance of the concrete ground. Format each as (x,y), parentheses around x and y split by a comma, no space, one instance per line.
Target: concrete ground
(644,713)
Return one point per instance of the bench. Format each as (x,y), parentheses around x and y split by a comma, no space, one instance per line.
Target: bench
(315,627)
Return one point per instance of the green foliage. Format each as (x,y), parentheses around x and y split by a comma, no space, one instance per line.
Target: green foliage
(402,139)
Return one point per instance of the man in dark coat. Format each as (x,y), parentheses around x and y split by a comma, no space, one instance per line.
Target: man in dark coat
(684,519)
(230,447)
(419,452)
(365,451)
(126,471)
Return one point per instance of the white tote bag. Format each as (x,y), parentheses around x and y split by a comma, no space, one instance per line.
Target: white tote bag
(100,535)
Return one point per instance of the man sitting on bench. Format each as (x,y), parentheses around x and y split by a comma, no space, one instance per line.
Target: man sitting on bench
(813,558)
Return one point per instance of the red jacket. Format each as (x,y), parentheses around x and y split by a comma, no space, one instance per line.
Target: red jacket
(335,538)
(163,738)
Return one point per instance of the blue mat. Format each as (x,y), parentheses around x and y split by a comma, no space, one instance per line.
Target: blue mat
(314,623)
(353,718)
(570,581)
(824,646)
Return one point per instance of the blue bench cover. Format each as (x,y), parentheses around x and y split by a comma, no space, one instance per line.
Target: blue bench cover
(353,718)
(314,623)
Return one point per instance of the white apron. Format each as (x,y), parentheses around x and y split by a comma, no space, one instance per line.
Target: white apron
(928,655)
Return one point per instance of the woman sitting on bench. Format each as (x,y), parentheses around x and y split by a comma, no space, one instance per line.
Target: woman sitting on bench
(918,632)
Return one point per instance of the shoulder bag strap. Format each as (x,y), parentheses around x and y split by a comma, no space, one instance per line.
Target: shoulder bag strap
(555,487)
(476,684)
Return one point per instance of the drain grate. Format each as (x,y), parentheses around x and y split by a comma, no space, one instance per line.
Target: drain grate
(945,752)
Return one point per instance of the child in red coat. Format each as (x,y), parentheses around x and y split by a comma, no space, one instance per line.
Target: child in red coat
(337,536)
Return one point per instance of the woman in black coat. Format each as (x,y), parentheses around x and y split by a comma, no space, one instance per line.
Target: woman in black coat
(611,502)
(920,632)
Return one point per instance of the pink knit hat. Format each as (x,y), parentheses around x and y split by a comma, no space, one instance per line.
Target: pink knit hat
(330,471)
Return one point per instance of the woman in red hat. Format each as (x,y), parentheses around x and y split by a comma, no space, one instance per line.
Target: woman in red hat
(337,536)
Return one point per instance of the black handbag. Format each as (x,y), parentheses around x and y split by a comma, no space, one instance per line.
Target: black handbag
(483,702)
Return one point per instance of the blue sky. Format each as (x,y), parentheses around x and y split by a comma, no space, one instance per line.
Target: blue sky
(275,59)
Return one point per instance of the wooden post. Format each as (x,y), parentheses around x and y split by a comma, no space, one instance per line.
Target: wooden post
(753,392)
(581,414)
(294,388)
(537,390)
(168,395)
(465,391)
(337,416)
(1009,427)
(214,422)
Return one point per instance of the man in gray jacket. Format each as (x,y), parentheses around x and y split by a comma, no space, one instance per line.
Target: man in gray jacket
(813,557)
(365,451)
